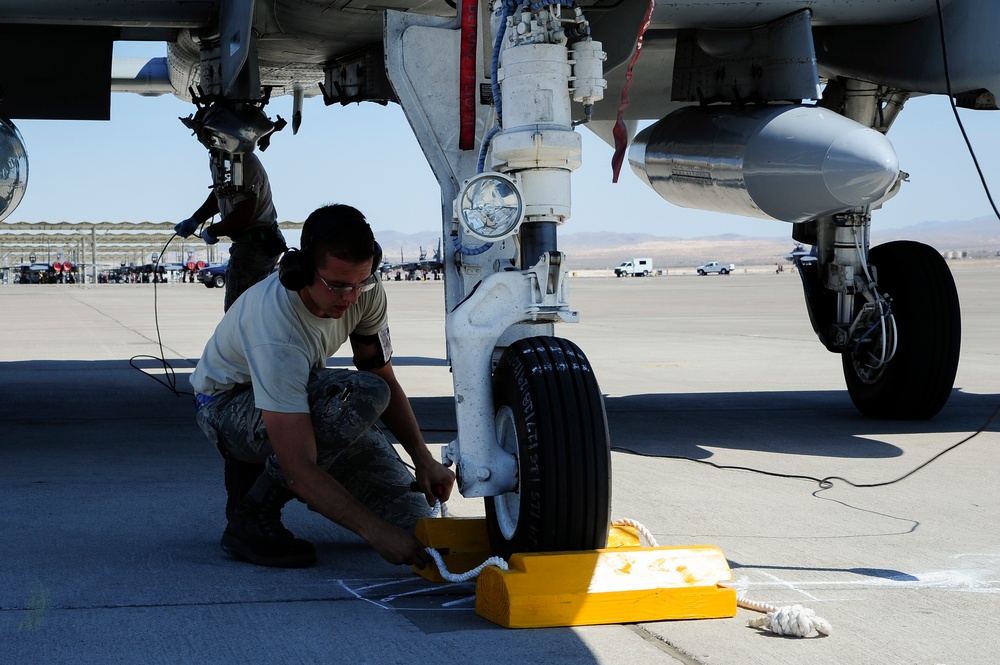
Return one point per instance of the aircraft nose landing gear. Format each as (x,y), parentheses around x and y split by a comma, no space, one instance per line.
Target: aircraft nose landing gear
(550,416)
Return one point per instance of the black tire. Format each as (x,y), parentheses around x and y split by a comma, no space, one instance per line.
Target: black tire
(723,272)
(219,281)
(919,379)
(701,272)
(550,415)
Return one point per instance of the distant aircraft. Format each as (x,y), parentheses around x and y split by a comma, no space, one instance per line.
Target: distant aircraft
(775,109)
(801,256)
(422,265)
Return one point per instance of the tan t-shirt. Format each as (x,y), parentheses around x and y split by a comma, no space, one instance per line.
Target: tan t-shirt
(269,339)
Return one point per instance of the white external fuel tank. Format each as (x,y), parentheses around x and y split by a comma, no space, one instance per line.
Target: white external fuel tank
(791,163)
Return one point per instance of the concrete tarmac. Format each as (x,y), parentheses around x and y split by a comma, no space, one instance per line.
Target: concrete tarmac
(112,500)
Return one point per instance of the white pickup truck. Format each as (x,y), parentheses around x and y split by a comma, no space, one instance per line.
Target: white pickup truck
(715,266)
(638,267)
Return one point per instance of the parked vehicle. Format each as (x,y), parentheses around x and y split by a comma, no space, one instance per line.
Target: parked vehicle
(635,268)
(716,267)
(213,276)
(37,273)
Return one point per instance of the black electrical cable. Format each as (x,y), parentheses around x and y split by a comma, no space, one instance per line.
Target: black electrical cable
(828,481)
(168,370)
(954,109)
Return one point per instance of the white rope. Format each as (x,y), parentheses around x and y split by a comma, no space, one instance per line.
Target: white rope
(644,533)
(464,577)
(792,620)
(440,509)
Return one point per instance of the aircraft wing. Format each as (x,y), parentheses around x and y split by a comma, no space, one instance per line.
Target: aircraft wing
(59,62)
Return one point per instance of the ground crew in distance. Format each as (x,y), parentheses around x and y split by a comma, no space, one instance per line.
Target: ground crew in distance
(248,218)
(264,395)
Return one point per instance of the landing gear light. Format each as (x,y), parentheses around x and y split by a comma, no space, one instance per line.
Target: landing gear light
(490,206)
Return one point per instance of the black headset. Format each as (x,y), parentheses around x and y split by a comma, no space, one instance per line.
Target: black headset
(296,269)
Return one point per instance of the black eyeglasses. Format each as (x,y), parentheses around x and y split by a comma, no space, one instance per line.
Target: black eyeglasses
(344,291)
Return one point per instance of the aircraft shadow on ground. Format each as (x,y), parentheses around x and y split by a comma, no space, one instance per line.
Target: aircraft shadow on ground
(95,389)
(821,423)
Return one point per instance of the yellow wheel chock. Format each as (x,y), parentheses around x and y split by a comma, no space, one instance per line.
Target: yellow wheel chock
(623,583)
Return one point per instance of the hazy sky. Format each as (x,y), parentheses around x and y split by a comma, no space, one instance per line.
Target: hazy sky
(145,165)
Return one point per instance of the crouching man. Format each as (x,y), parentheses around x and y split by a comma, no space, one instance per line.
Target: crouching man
(265,395)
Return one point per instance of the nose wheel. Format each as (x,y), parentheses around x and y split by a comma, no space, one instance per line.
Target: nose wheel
(550,416)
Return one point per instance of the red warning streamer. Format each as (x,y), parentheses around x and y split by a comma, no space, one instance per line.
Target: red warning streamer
(620,132)
(467,76)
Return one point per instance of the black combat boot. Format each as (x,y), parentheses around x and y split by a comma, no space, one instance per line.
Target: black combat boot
(240,477)
(255,532)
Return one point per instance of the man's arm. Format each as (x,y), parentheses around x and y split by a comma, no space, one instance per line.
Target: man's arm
(233,224)
(293,441)
(209,208)
(433,478)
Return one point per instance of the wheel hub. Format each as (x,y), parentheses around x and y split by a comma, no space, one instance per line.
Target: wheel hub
(876,346)
(508,506)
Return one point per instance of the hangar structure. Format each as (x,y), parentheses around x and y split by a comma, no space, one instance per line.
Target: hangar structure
(91,240)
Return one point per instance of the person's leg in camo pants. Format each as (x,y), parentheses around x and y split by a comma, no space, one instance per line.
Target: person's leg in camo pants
(344,406)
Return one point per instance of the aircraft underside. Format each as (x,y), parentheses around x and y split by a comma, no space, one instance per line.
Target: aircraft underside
(773,109)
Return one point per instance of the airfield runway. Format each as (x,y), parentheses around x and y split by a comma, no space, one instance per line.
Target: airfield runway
(112,501)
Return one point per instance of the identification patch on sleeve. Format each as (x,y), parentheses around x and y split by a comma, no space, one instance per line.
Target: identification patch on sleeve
(383,353)
(386,343)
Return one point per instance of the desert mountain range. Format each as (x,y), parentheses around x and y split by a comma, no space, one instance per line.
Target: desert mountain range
(977,238)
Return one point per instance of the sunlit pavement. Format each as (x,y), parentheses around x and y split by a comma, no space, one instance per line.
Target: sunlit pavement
(113,500)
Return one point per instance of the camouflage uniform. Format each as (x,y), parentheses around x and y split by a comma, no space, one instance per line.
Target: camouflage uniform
(344,406)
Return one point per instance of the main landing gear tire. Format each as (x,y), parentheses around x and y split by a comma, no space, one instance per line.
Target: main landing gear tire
(550,415)
(918,380)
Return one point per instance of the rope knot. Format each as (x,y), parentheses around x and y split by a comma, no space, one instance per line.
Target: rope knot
(792,620)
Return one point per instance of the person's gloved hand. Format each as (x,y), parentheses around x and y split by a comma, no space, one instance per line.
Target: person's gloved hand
(208,238)
(187,227)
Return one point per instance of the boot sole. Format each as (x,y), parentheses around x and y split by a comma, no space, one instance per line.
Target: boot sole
(238,550)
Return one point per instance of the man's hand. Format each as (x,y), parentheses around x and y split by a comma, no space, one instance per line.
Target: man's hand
(435,480)
(398,546)
(208,238)
(187,227)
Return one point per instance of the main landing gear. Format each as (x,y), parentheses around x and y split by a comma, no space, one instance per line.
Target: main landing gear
(891,312)
(925,335)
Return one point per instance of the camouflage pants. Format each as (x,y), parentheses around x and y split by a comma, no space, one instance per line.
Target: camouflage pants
(344,406)
(248,264)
